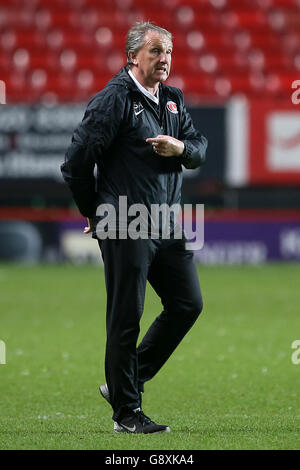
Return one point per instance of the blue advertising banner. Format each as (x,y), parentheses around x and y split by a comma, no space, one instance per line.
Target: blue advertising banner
(230,242)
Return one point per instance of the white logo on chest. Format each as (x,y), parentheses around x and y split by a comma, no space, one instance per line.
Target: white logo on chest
(137,108)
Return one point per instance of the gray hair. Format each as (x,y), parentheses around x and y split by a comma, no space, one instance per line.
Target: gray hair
(136,35)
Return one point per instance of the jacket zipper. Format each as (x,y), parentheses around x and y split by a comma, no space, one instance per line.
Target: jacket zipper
(160,120)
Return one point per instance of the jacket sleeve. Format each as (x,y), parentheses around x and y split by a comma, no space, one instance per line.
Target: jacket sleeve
(90,141)
(195,144)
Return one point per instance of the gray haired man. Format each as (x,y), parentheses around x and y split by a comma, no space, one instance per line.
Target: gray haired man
(139,135)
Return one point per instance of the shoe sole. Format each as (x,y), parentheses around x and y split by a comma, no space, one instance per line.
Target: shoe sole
(104,392)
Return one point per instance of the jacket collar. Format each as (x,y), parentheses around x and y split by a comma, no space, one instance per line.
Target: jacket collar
(122,78)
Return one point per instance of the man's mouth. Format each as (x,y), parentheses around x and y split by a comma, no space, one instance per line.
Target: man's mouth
(161,69)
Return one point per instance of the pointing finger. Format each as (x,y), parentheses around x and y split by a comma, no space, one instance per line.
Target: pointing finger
(158,138)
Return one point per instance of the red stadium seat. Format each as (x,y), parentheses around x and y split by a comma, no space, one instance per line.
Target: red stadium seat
(291,4)
(240,83)
(247,18)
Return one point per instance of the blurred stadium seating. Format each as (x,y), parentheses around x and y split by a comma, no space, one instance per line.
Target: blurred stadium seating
(66,50)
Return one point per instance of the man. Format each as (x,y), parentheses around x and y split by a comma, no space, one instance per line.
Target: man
(139,135)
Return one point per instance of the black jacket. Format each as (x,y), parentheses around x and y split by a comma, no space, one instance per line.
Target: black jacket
(112,136)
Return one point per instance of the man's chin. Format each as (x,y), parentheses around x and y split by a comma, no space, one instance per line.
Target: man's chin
(162,77)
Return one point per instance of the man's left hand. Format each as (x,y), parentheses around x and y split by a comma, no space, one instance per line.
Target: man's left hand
(166,146)
(89,227)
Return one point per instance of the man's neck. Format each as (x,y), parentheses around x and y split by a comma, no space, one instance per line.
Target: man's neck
(149,87)
(143,90)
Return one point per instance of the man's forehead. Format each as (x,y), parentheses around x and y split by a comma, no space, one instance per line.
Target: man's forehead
(153,38)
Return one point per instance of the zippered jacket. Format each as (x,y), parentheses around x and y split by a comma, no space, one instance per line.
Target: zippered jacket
(112,139)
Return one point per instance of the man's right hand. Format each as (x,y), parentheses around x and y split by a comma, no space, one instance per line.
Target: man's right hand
(166,146)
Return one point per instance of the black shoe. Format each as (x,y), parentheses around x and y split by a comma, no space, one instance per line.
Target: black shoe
(103,389)
(138,423)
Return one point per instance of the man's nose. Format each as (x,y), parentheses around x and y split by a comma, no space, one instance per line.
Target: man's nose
(163,57)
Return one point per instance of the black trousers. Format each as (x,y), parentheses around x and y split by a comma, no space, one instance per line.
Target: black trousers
(170,269)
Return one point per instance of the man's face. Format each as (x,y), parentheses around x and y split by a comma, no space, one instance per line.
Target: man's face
(152,63)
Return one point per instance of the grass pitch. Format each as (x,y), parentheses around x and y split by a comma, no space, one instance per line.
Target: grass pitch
(230,384)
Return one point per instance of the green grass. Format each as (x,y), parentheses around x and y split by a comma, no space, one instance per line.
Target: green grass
(229,385)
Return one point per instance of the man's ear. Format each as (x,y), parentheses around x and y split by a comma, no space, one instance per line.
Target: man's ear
(132,57)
